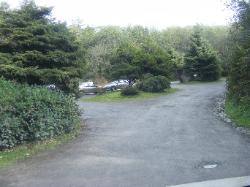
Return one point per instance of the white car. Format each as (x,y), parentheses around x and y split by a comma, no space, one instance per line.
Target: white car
(88,87)
(51,87)
(84,85)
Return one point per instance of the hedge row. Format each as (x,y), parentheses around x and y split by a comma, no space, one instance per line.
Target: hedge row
(154,84)
(34,113)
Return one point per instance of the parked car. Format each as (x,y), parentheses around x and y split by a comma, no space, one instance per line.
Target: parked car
(51,87)
(89,87)
(116,85)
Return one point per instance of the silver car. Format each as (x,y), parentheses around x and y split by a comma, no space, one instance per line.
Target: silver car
(89,88)
(116,85)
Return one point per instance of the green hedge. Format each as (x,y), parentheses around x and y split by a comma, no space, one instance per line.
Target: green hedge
(129,91)
(154,84)
(34,113)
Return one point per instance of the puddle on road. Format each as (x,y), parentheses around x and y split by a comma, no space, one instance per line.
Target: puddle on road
(210,166)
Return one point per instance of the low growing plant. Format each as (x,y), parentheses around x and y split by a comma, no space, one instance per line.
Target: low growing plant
(154,84)
(129,91)
(34,113)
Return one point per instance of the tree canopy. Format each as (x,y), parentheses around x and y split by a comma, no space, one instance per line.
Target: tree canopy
(101,43)
(35,49)
(132,61)
(239,76)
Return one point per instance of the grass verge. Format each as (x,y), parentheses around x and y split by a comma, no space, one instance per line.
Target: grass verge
(11,156)
(240,114)
(116,96)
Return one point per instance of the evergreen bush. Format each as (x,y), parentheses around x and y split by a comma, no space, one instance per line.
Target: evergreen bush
(129,91)
(34,113)
(154,84)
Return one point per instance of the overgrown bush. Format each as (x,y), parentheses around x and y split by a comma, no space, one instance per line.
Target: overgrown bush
(154,84)
(34,113)
(238,112)
(129,91)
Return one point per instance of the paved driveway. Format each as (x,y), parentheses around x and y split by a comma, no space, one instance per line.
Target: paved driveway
(144,143)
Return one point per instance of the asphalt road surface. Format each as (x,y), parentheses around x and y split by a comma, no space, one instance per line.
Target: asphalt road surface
(144,143)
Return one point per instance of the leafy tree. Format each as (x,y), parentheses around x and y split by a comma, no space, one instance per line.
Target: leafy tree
(201,61)
(132,60)
(218,37)
(137,34)
(35,49)
(124,63)
(179,39)
(239,75)
(99,45)
(156,61)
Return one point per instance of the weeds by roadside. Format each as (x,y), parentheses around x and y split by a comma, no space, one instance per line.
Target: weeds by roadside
(116,96)
(238,113)
(11,156)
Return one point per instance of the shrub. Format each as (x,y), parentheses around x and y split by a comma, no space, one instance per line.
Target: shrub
(129,91)
(154,84)
(34,113)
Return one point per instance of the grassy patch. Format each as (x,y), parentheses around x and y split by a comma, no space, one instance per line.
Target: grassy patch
(238,113)
(10,156)
(116,96)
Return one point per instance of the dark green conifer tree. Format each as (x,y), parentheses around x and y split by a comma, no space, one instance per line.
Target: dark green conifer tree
(35,49)
(201,61)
